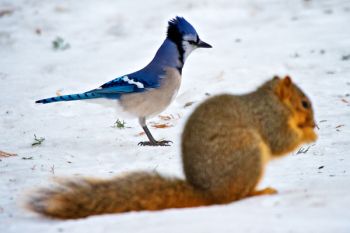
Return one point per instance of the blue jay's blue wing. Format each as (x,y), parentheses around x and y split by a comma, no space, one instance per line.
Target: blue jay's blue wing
(137,82)
(114,89)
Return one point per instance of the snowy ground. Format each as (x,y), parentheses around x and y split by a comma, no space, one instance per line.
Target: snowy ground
(252,39)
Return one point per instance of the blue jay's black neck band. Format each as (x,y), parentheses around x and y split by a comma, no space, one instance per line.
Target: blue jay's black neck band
(179,69)
(175,36)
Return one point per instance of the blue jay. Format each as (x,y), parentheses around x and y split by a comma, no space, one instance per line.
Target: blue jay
(150,90)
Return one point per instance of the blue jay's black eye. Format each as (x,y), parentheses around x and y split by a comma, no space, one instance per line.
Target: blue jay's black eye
(192,42)
(305,104)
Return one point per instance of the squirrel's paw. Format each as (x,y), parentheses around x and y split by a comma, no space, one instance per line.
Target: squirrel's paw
(265,191)
(157,143)
(269,191)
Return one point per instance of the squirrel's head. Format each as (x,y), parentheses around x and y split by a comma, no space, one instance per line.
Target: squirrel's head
(299,105)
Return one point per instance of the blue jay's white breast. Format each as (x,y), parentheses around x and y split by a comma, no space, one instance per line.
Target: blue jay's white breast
(153,101)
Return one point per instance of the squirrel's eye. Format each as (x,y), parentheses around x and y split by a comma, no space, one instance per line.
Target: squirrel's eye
(305,104)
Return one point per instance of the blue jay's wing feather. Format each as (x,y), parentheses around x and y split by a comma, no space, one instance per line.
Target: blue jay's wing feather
(132,83)
(113,90)
(135,82)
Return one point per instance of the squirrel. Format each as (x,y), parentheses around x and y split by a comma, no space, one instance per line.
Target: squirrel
(226,143)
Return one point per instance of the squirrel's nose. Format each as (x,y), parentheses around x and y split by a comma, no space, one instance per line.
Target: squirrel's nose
(311,123)
(308,122)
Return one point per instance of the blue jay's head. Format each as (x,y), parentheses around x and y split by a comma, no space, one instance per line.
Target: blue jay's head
(183,34)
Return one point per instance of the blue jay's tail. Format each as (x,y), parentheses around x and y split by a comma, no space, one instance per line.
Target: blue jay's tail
(82,96)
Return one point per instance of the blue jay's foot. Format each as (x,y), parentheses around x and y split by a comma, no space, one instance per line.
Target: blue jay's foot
(152,141)
(155,143)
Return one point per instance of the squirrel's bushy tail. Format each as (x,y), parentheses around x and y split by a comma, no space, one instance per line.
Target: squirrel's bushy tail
(132,192)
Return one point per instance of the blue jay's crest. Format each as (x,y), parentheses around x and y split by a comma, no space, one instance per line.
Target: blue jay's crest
(178,27)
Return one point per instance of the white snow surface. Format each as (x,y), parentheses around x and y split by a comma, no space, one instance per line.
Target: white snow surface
(252,41)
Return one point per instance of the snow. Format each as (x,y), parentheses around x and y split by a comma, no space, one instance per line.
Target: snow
(252,40)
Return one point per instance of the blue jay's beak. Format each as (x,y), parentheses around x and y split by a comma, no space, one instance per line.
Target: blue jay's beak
(202,44)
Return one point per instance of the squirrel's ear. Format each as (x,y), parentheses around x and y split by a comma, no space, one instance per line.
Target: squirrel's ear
(276,77)
(287,81)
(283,88)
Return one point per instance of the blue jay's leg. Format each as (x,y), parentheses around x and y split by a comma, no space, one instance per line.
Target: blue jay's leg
(152,141)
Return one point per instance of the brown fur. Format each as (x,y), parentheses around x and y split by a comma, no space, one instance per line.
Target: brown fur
(228,139)
(226,143)
(132,192)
